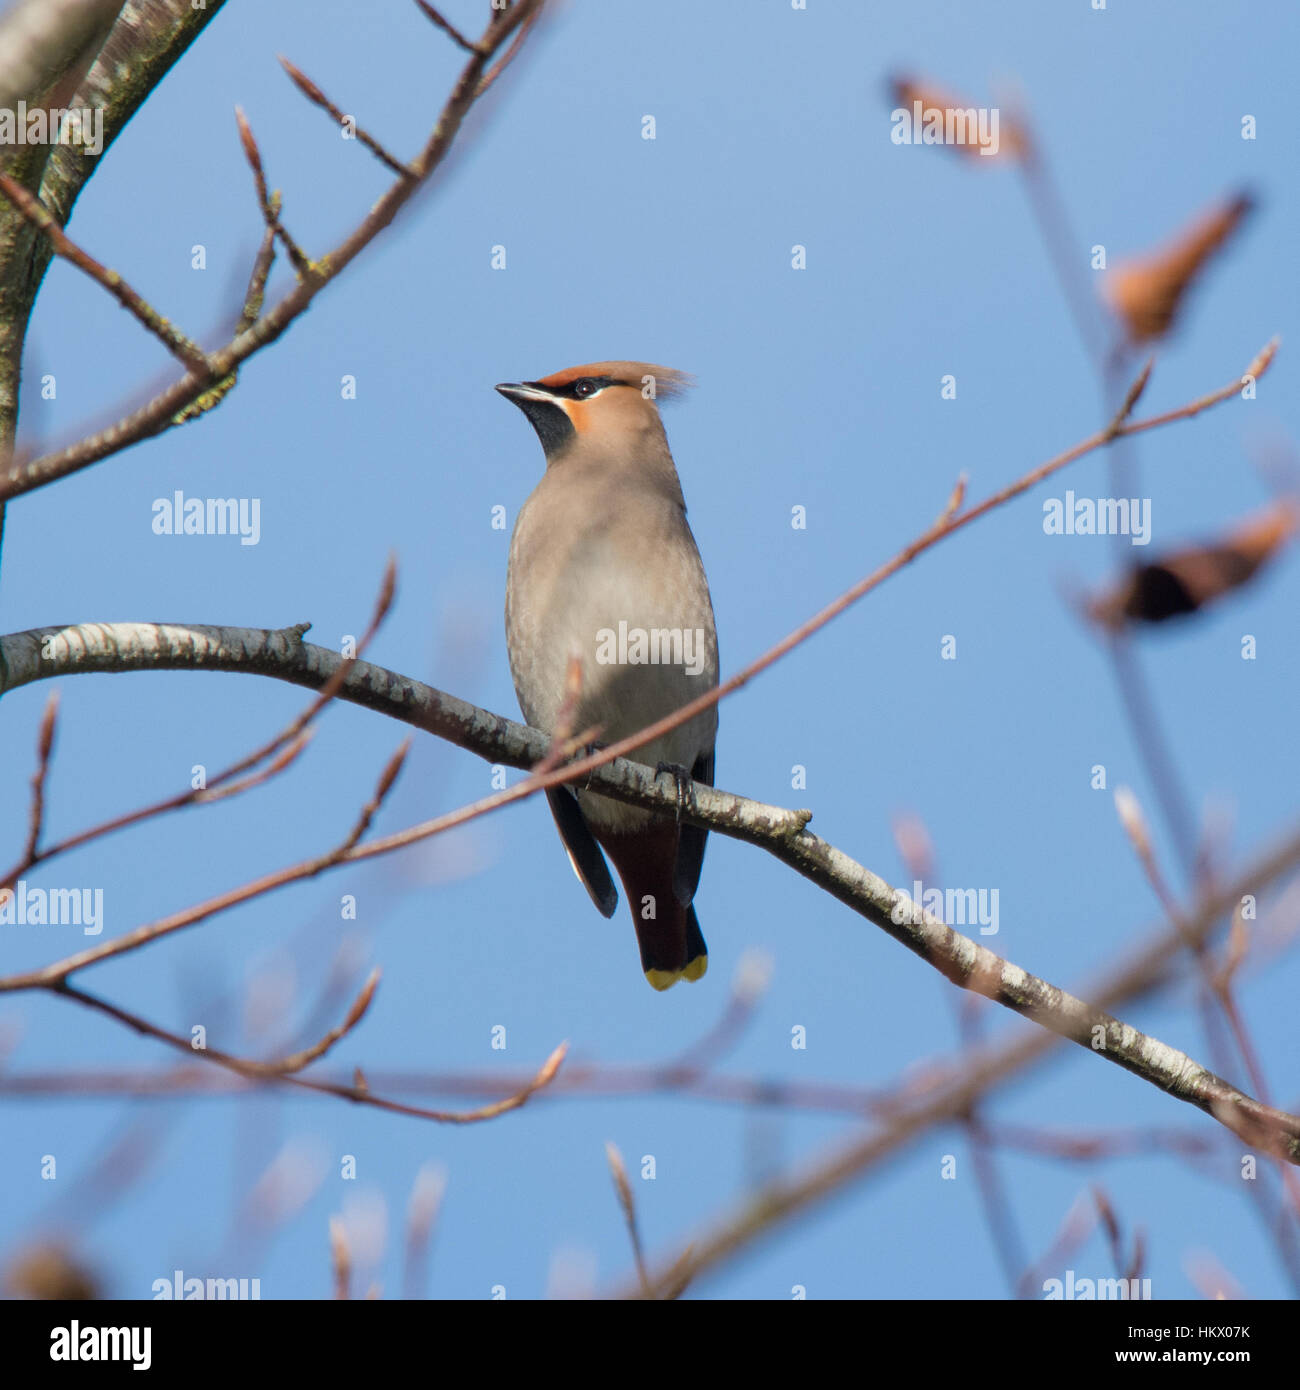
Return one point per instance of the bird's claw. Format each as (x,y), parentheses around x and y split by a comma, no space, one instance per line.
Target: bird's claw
(682,779)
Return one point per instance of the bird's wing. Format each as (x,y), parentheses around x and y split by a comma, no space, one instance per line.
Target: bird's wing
(584,853)
(690,842)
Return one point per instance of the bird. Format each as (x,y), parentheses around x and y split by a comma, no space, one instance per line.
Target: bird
(604,569)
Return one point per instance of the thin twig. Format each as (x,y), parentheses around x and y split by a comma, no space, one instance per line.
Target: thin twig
(270,203)
(447,28)
(34,856)
(625,1200)
(255,294)
(282,749)
(508,56)
(314,94)
(44,746)
(184,349)
(271,1074)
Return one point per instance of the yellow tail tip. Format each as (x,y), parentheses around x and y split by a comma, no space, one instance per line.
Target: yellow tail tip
(666,979)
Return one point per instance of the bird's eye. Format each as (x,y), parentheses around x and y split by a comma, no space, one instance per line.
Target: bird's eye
(584,388)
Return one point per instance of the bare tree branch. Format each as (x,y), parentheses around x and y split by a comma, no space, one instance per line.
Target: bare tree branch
(175,402)
(777,1203)
(283,1073)
(962,961)
(282,750)
(184,349)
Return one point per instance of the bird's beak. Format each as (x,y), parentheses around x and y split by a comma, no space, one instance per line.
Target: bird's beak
(521,391)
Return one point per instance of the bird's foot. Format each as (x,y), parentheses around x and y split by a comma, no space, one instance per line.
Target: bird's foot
(682,779)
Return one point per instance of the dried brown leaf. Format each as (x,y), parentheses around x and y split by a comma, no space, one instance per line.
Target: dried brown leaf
(1147,292)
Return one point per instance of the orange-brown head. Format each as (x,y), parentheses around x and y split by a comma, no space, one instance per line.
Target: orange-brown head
(606,406)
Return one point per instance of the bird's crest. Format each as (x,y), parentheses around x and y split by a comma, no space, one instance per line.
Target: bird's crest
(655,383)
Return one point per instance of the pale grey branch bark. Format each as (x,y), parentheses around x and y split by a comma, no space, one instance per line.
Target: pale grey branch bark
(953,1096)
(283,654)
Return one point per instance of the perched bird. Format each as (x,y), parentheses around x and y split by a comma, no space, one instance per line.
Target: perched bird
(604,567)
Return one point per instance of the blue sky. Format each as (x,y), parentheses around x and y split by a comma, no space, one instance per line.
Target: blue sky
(817,388)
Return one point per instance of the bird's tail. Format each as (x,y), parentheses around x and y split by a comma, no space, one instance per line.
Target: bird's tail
(667,931)
(678,953)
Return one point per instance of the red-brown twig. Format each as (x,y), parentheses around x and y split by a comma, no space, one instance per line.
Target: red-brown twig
(275,1073)
(282,749)
(508,57)
(247,1067)
(268,202)
(34,856)
(44,746)
(184,349)
(314,94)
(447,28)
